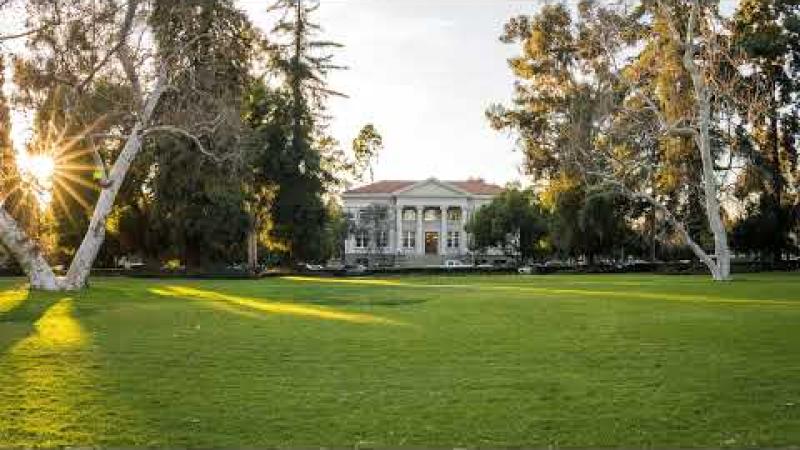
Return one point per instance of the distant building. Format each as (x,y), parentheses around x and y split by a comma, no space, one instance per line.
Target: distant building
(412,223)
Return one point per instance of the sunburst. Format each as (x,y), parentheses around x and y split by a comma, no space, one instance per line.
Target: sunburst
(37,171)
(52,171)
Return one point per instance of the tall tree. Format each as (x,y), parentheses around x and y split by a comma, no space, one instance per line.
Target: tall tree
(298,209)
(111,54)
(199,202)
(769,33)
(607,123)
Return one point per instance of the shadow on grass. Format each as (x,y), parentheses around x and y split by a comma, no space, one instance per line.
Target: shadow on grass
(55,389)
(20,309)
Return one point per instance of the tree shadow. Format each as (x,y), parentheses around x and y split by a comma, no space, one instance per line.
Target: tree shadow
(55,389)
(20,309)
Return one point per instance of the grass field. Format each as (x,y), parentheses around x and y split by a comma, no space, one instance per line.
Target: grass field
(635,360)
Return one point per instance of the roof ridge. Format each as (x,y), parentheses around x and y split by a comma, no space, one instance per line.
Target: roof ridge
(477,186)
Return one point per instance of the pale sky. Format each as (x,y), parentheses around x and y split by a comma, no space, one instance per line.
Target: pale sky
(424,72)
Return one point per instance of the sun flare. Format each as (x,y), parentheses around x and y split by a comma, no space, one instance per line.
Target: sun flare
(38,171)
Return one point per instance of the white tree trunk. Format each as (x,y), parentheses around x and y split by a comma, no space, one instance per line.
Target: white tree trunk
(81,266)
(676,224)
(27,253)
(720,269)
(79,270)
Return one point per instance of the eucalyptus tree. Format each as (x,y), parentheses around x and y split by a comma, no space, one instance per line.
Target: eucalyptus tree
(79,63)
(584,108)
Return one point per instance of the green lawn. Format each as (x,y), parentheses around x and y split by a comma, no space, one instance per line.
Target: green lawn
(635,360)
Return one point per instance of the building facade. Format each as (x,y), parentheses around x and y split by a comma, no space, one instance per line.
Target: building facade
(412,223)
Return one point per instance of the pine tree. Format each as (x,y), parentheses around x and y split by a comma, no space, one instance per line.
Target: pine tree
(298,212)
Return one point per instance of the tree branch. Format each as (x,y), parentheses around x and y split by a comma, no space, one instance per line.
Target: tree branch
(122,38)
(186,134)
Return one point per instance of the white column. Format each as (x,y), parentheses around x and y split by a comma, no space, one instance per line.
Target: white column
(420,238)
(398,235)
(463,242)
(443,231)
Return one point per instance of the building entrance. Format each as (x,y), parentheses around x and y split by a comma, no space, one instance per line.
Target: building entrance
(431,243)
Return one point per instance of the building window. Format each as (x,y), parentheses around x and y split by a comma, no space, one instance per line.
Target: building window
(410,239)
(431,215)
(453,239)
(372,214)
(362,239)
(409,214)
(382,238)
(454,214)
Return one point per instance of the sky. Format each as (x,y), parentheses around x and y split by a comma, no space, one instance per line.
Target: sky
(424,72)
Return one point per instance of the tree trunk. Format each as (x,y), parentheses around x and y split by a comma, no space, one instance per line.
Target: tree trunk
(27,253)
(79,270)
(252,248)
(720,268)
(713,210)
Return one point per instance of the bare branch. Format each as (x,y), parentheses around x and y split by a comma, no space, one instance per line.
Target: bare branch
(9,37)
(122,38)
(186,134)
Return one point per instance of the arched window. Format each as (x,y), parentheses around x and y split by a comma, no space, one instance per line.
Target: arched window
(454,214)
(431,215)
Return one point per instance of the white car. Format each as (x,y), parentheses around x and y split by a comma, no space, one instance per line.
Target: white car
(525,270)
(454,263)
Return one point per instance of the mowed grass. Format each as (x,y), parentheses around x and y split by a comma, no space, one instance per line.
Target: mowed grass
(635,360)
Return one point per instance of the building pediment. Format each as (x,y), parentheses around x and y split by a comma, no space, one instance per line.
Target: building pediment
(432,188)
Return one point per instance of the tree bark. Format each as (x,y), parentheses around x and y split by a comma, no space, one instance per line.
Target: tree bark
(27,253)
(252,248)
(720,268)
(24,249)
(79,270)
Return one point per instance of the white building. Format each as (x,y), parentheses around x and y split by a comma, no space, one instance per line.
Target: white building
(412,223)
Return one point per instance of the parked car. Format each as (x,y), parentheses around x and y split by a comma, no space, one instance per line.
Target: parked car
(130,263)
(451,263)
(525,270)
(354,269)
(311,267)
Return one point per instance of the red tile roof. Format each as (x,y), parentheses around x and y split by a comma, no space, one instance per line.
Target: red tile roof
(473,186)
(382,187)
(479,187)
